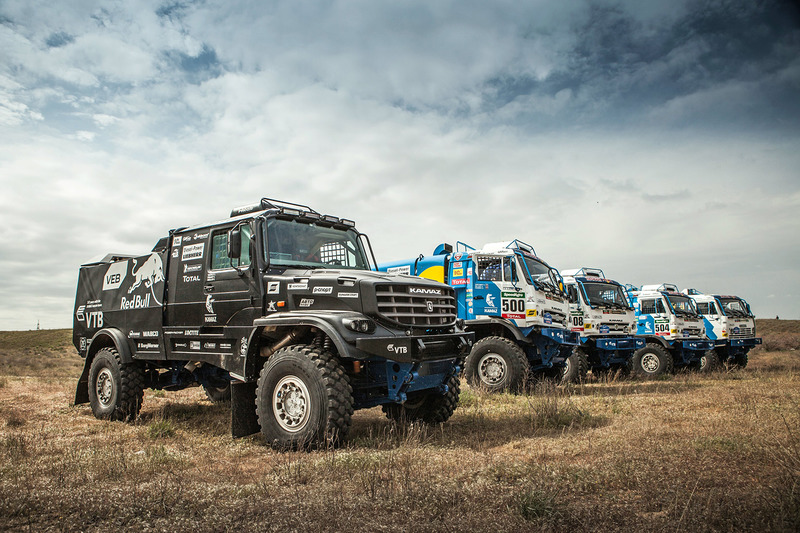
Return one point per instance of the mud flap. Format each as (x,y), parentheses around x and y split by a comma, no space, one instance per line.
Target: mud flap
(244,420)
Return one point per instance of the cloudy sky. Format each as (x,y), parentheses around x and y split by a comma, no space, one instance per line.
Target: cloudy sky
(659,139)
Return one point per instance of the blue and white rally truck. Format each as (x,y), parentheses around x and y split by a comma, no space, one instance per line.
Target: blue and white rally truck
(730,324)
(606,322)
(672,328)
(512,300)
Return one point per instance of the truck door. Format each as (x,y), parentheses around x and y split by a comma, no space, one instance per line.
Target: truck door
(488,275)
(230,297)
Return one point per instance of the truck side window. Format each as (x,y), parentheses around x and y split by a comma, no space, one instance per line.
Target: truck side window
(660,306)
(573,294)
(648,307)
(706,308)
(219,249)
(509,270)
(489,269)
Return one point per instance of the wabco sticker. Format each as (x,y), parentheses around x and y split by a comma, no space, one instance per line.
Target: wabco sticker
(193,251)
(458,272)
(273,287)
(347,295)
(306,302)
(298,286)
(322,290)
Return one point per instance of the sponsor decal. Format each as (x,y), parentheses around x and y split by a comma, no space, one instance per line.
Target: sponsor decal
(80,313)
(176,241)
(150,334)
(115,275)
(137,302)
(512,294)
(399,270)
(195,267)
(322,290)
(175,253)
(243,346)
(191,279)
(147,346)
(531,312)
(298,286)
(347,295)
(271,306)
(193,251)
(429,304)
(306,302)
(200,236)
(225,346)
(458,264)
(134,334)
(181,345)
(211,276)
(490,301)
(514,316)
(210,346)
(210,304)
(192,332)
(194,345)
(548,318)
(424,291)
(83,344)
(457,256)
(273,287)
(396,349)
(603,329)
(458,272)
(210,319)
(459,281)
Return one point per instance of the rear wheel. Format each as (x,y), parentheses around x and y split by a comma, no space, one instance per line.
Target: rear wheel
(496,363)
(427,407)
(303,399)
(218,394)
(652,360)
(576,366)
(115,389)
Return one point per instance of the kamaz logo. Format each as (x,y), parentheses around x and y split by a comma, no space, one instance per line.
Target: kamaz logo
(397,349)
(430,306)
(420,290)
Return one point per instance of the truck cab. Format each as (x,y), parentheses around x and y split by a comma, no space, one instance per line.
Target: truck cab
(279,305)
(606,322)
(730,323)
(670,323)
(512,300)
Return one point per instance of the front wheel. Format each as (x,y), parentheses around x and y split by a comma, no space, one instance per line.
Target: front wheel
(496,363)
(652,360)
(427,407)
(303,399)
(709,362)
(115,389)
(576,366)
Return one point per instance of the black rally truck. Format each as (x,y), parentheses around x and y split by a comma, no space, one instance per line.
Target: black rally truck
(277,309)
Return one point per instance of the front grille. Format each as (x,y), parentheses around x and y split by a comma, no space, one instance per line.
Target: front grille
(397,304)
(615,327)
(691,332)
(744,333)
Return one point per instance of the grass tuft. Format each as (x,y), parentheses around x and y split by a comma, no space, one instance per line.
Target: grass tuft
(161,429)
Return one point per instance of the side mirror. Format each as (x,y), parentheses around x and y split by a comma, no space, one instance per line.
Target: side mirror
(234,243)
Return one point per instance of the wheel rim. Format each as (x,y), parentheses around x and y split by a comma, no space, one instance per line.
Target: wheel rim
(650,362)
(492,369)
(291,404)
(567,366)
(104,387)
(703,363)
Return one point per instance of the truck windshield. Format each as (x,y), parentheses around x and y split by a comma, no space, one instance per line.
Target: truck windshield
(682,305)
(734,307)
(602,294)
(544,277)
(294,243)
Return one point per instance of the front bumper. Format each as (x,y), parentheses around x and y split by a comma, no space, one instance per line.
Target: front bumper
(413,349)
(739,343)
(698,345)
(626,343)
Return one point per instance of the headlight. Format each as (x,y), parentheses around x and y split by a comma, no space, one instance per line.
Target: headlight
(359,325)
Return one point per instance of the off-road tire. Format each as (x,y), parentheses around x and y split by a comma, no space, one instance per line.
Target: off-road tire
(576,366)
(652,360)
(427,407)
(496,364)
(740,361)
(302,381)
(616,371)
(115,389)
(709,362)
(218,394)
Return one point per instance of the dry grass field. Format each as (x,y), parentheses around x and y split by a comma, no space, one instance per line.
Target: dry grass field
(689,452)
